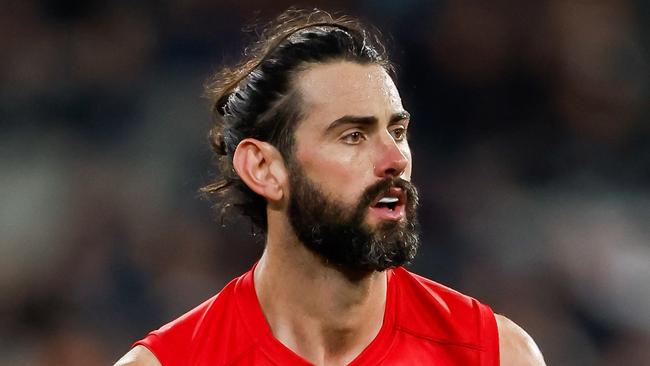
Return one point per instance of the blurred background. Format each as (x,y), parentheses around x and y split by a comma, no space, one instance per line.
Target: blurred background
(531,141)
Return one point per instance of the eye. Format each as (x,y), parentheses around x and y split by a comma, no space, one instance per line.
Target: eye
(398,133)
(353,138)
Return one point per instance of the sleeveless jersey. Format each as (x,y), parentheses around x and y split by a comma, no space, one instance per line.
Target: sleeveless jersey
(425,323)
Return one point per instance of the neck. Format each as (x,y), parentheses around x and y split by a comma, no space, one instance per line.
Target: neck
(323,314)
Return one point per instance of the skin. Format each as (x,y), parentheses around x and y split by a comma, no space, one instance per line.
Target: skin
(320,313)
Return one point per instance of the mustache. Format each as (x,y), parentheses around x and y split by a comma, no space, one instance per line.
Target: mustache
(384,185)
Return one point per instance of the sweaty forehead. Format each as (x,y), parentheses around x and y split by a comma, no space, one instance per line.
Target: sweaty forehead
(335,89)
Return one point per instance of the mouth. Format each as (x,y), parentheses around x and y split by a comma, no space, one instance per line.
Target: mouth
(390,205)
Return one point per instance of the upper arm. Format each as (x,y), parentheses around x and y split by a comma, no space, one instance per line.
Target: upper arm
(138,356)
(516,347)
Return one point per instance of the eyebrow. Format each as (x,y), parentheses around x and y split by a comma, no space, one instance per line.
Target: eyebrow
(366,120)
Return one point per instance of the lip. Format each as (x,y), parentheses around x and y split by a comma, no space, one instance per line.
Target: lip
(385,213)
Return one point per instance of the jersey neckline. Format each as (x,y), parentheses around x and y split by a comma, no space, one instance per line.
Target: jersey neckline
(259,330)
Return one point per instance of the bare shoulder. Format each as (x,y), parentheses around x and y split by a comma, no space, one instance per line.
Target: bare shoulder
(138,356)
(516,346)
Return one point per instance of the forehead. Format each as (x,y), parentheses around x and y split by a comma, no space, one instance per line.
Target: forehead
(335,89)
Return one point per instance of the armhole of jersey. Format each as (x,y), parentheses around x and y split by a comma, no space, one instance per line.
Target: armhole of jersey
(153,343)
(489,337)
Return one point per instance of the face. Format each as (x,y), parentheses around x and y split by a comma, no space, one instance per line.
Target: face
(351,200)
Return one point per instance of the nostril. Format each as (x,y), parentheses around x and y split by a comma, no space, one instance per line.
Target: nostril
(390,162)
(393,171)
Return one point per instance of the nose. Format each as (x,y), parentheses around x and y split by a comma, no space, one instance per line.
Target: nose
(390,160)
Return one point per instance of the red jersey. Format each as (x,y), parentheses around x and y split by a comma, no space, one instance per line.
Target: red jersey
(425,323)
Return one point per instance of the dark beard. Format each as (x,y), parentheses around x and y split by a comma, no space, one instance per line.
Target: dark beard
(338,233)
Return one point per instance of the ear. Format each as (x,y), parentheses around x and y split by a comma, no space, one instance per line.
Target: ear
(261,166)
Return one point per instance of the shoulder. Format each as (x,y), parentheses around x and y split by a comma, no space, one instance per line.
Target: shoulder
(138,356)
(429,297)
(437,311)
(516,346)
(413,284)
(191,334)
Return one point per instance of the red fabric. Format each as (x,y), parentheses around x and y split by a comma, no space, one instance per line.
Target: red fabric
(425,323)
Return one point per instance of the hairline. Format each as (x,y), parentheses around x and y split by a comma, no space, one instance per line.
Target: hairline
(295,96)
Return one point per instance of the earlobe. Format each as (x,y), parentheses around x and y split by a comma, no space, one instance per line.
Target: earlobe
(261,167)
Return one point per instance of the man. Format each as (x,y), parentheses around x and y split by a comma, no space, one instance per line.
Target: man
(311,137)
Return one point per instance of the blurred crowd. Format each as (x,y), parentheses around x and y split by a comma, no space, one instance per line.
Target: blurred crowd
(531,144)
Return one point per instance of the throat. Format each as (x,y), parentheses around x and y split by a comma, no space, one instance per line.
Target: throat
(323,315)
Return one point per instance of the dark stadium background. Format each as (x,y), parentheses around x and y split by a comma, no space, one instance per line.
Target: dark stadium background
(531,142)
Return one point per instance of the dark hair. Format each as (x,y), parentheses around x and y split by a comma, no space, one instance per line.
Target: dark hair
(256,99)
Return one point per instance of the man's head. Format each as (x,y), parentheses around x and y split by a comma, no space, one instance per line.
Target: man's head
(312,126)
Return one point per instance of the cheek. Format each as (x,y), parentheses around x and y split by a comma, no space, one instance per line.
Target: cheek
(340,175)
(406,151)
(407,173)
